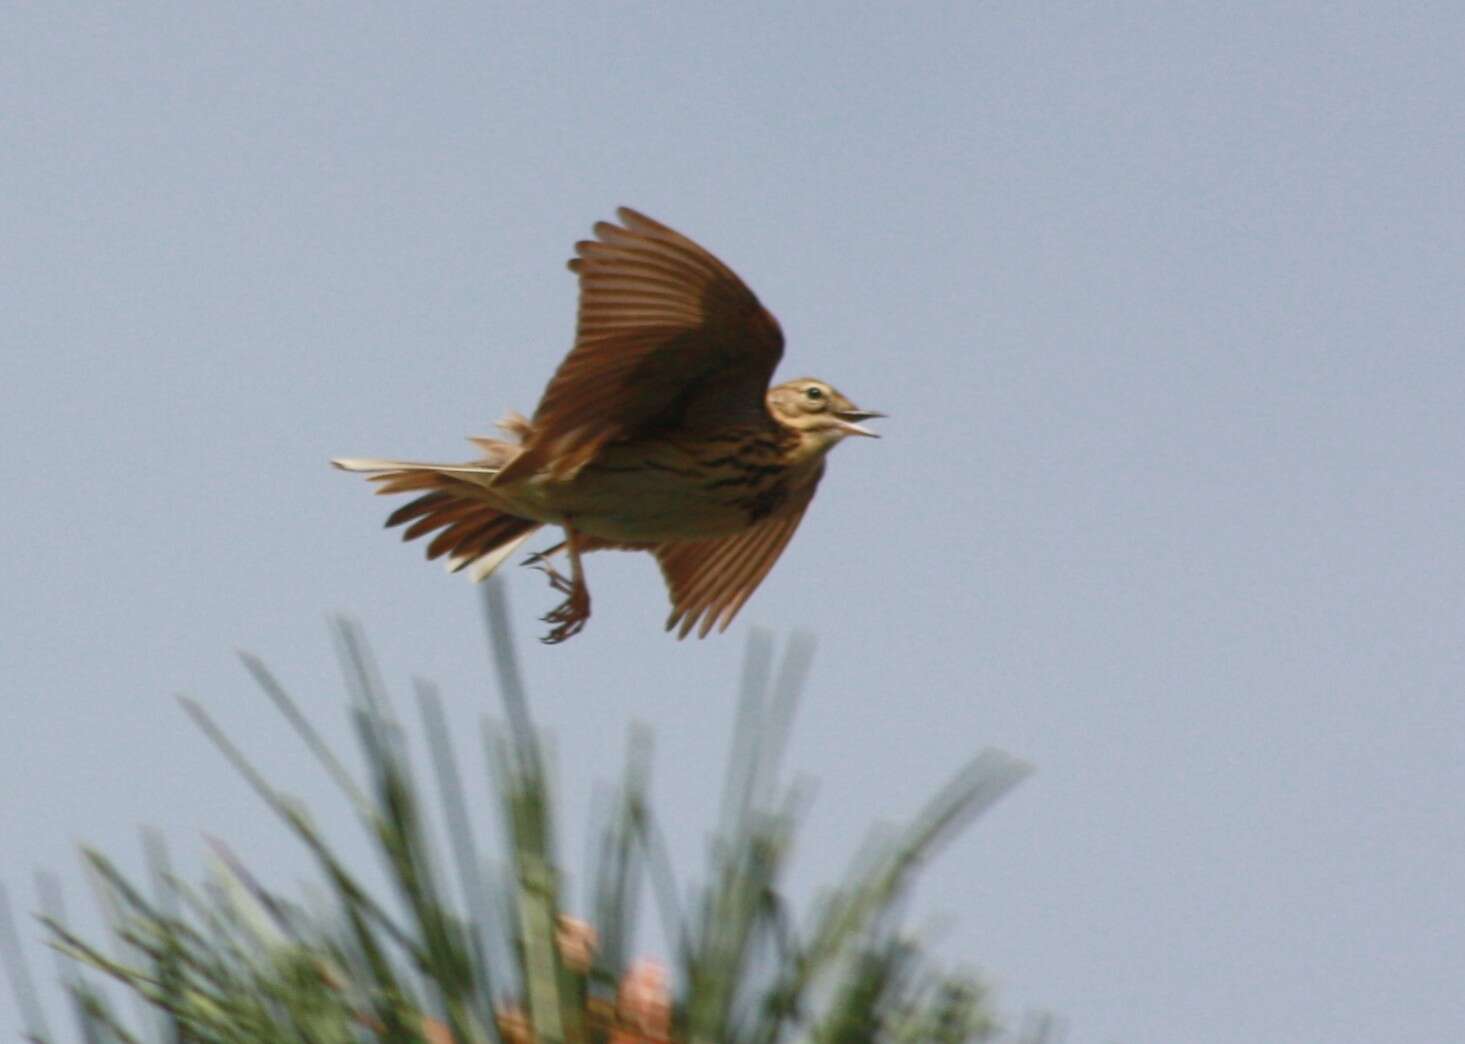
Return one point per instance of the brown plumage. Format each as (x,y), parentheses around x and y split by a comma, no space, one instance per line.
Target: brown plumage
(658,432)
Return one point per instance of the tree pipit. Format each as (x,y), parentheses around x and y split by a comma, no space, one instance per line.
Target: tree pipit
(657,433)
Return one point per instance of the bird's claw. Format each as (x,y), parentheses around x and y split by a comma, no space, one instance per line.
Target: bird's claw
(568,618)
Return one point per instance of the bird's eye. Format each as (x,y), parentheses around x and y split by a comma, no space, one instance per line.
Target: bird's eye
(814,393)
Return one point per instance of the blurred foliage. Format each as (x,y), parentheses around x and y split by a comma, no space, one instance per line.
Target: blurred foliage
(232,961)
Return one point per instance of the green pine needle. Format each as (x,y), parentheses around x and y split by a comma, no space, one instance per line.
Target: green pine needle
(464,957)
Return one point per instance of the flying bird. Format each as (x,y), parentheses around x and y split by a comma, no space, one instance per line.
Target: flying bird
(659,432)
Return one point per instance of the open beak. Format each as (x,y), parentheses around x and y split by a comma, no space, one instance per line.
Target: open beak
(848,418)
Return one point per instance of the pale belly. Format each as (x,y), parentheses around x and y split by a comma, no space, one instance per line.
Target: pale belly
(638,494)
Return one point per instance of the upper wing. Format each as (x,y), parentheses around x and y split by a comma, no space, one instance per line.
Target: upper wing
(668,336)
(709,580)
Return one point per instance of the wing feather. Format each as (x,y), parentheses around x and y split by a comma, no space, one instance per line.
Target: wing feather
(710,580)
(668,337)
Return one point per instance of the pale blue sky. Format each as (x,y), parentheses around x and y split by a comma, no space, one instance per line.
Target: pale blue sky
(1164,301)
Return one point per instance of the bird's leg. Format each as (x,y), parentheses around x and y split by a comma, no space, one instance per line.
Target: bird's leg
(570,616)
(540,560)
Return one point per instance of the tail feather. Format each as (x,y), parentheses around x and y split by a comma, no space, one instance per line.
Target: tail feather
(482,567)
(413,508)
(376,465)
(474,535)
(434,511)
(438,519)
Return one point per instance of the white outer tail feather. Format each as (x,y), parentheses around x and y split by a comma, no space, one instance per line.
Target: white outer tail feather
(483,566)
(371,464)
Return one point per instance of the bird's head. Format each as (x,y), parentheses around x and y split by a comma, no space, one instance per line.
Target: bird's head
(818,412)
